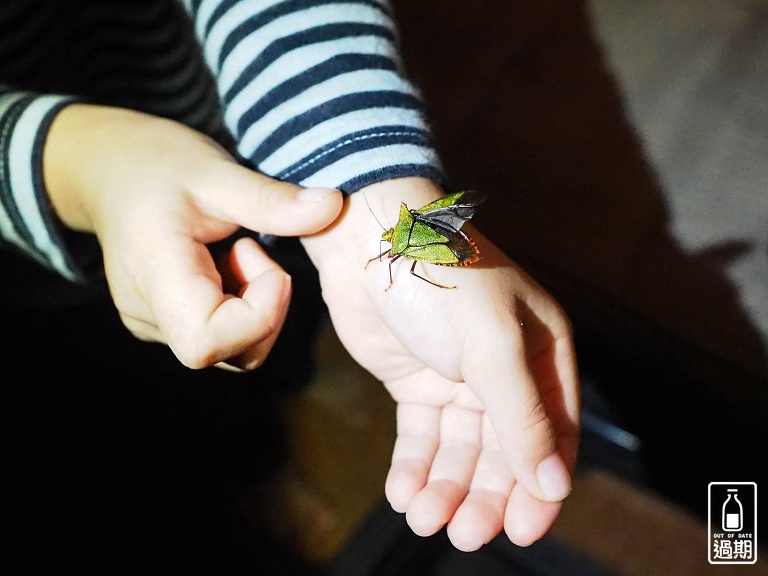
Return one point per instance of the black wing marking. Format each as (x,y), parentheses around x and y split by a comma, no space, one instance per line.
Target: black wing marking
(452,217)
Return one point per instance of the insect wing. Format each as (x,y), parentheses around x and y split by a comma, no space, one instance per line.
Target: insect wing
(462,247)
(450,212)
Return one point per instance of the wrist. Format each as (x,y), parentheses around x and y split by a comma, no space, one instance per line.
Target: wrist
(366,214)
(62,146)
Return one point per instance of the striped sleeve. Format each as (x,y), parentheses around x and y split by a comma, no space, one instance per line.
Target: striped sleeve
(27,222)
(314,91)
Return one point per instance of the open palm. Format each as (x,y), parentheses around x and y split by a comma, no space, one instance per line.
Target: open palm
(484,377)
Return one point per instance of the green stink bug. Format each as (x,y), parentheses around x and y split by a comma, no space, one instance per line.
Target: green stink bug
(433,234)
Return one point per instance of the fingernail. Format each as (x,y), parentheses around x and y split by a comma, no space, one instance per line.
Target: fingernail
(553,477)
(314,194)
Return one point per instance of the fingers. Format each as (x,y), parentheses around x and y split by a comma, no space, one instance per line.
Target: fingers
(202,325)
(248,262)
(481,516)
(254,201)
(172,284)
(448,469)
(450,473)
(433,463)
(418,437)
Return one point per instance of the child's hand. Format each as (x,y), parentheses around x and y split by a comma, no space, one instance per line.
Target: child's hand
(155,193)
(484,375)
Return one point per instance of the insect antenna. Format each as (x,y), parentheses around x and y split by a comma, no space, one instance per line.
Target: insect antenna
(380,224)
(371,211)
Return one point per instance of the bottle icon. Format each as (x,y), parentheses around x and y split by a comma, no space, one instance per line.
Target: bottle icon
(733,513)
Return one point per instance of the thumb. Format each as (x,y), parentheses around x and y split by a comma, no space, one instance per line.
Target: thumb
(239,195)
(525,426)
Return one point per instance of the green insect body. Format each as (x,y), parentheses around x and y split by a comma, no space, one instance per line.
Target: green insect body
(416,240)
(433,234)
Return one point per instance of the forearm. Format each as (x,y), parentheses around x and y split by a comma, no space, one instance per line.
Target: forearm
(314,91)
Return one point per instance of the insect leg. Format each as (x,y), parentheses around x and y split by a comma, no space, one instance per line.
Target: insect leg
(413,272)
(390,271)
(377,257)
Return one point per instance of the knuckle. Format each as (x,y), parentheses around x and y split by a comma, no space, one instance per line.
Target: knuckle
(537,430)
(272,193)
(535,419)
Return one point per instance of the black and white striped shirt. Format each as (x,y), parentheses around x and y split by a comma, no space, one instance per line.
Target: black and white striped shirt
(308,91)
